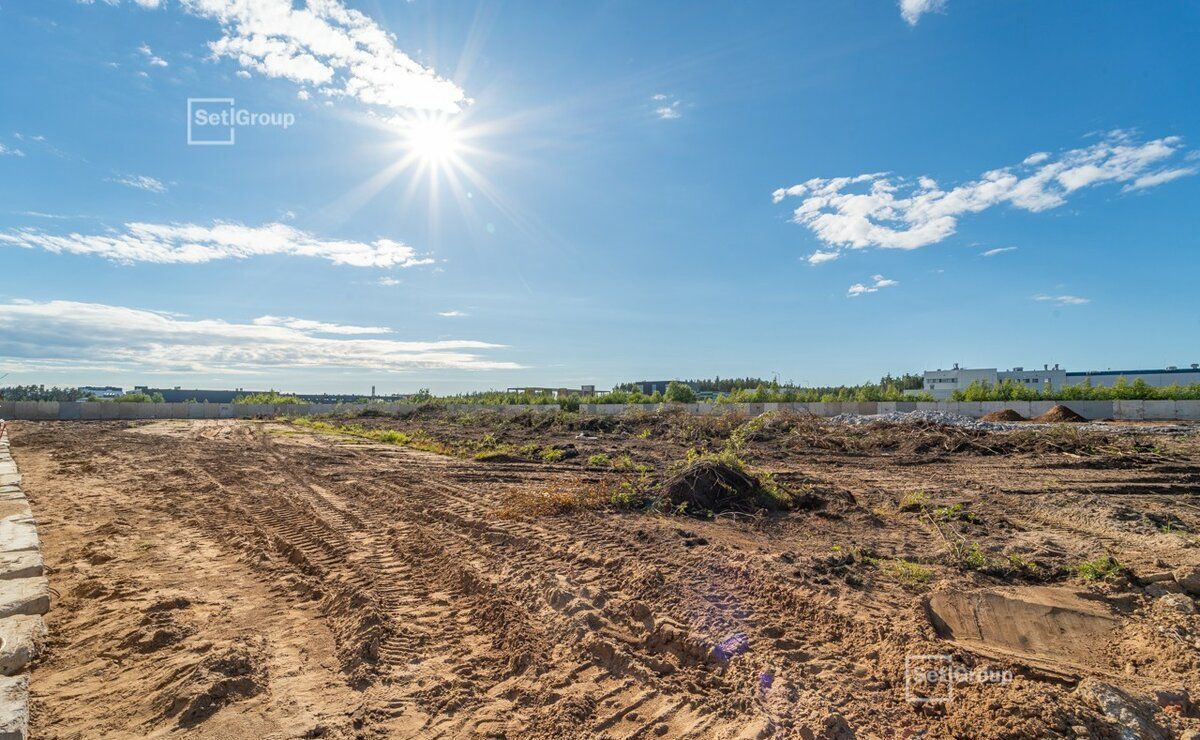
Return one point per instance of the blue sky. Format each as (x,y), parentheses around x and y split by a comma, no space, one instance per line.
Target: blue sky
(483,195)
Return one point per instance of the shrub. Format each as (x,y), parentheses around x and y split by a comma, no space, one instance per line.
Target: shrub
(551,454)
(599,460)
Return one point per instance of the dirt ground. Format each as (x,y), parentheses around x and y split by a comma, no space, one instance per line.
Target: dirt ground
(260,579)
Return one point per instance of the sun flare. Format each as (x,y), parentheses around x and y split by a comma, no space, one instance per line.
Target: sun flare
(433,140)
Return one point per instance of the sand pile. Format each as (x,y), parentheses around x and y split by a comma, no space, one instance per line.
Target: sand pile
(1005,415)
(1060,414)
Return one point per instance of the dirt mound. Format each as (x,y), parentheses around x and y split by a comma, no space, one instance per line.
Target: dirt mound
(1005,415)
(716,487)
(1060,414)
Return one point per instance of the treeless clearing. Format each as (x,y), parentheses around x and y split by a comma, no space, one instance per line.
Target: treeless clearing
(258,580)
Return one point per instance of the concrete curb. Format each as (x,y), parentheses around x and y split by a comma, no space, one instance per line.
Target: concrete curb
(24,597)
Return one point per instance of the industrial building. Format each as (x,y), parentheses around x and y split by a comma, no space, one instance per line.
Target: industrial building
(583,391)
(941,384)
(100,391)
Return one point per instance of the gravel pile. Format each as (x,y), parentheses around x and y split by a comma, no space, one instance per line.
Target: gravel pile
(929,417)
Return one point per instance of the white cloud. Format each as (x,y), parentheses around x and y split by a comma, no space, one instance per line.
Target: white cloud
(877,210)
(243,74)
(193,244)
(7,152)
(819,257)
(998,250)
(154,60)
(141,182)
(389,282)
(669,108)
(302,95)
(877,282)
(1063,300)
(325,45)
(912,10)
(59,333)
(1158,178)
(451,314)
(318,327)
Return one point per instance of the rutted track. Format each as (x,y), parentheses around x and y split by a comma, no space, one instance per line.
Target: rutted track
(449,618)
(454,621)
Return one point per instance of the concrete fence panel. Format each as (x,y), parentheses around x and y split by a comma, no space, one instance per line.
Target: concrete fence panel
(1097,409)
(1037,408)
(1159,410)
(1187,410)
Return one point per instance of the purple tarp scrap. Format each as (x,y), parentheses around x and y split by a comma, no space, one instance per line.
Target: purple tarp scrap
(731,646)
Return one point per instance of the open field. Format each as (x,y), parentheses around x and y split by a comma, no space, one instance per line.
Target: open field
(476,575)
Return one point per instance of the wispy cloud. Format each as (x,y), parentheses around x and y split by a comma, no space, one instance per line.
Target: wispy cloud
(451,314)
(153,59)
(58,333)
(194,244)
(877,210)
(668,106)
(1062,300)
(140,182)
(389,282)
(877,282)
(912,10)
(998,250)
(318,327)
(324,45)
(819,257)
(7,152)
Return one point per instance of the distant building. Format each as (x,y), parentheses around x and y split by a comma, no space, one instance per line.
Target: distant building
(532,390)
(195,395)
(650,387)
(941,384)
(100,391)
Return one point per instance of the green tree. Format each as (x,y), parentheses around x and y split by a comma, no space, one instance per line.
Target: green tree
(679,393)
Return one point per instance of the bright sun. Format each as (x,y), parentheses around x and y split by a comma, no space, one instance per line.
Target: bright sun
(433,141)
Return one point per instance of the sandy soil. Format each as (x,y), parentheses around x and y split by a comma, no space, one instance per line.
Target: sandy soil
(256,580)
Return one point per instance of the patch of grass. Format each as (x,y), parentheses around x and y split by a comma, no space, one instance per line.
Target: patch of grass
(551,454)
(973,557)
(486,455)
(599,460)
(532,502)
(913,501)
(624,462)
(908,573)
(627,496)
(955,513)
(644,434)
(385,436)
(1098,569)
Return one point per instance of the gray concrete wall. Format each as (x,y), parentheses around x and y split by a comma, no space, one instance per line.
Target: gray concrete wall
(24,592)
(89,411)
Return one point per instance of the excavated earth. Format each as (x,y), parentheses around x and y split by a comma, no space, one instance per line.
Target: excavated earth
(259,579)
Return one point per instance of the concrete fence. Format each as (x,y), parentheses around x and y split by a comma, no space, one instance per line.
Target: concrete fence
(91,411)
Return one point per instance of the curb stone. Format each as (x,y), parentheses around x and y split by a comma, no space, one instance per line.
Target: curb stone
(24,597)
